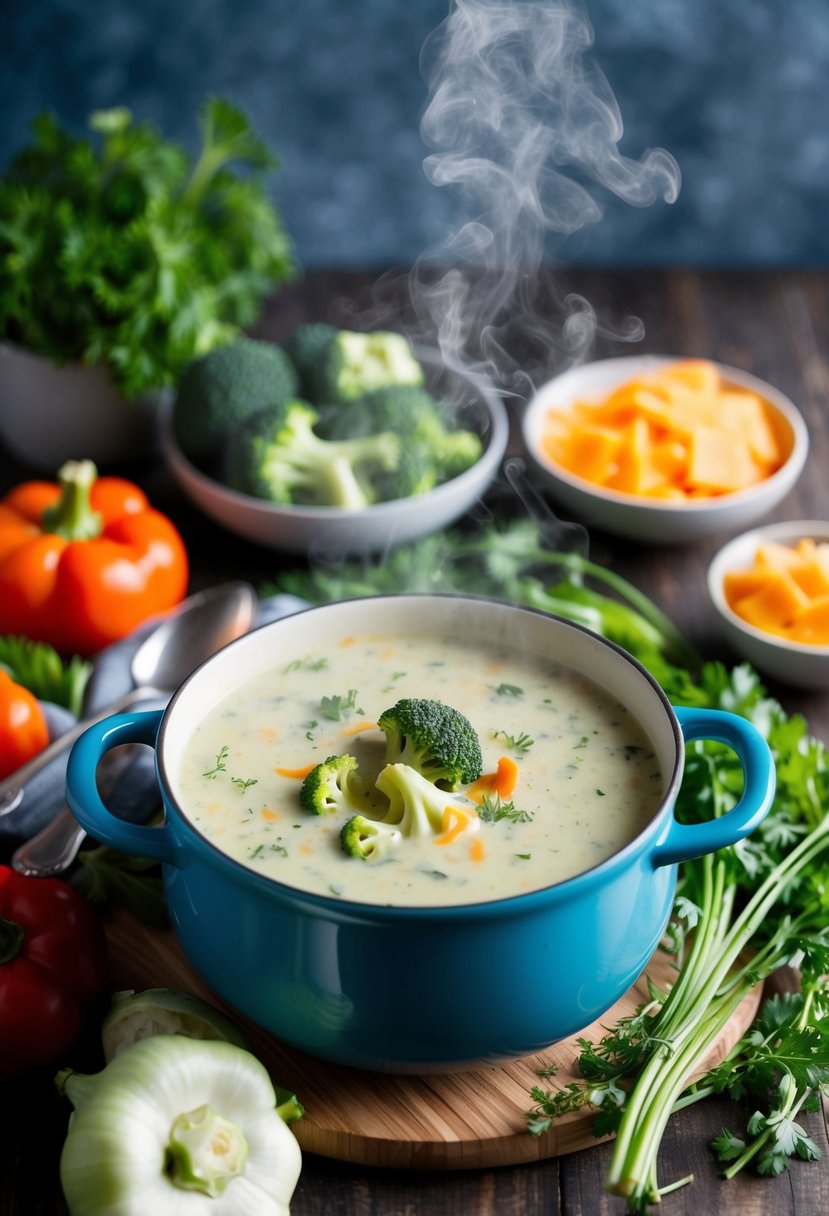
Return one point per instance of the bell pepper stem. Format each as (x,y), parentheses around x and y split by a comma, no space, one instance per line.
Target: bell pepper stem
(72,516)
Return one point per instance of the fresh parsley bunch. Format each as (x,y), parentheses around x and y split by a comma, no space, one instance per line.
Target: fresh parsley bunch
(740,915)
(121,248)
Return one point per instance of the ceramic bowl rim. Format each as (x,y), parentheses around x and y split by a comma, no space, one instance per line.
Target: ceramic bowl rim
(782,530)
(789,471)
(505,906)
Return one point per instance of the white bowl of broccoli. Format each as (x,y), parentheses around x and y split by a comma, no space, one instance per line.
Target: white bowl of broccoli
(337,442)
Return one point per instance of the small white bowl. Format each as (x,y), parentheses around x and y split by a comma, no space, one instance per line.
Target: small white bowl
(657,521)
(789,662)
(331,530)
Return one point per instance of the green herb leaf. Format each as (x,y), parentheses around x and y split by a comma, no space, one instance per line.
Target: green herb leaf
(727,1146)
(492,810)
(508,690)
(338,707)
(38,667)
(108,878)
(219,765)
(516,743)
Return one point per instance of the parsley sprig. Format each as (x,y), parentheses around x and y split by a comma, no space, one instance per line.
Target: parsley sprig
(515,743)
(493,809)
(219,764)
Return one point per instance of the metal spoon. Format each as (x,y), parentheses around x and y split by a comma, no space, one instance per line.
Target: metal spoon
(193,631)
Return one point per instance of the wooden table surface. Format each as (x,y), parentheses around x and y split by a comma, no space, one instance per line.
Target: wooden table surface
(774,324)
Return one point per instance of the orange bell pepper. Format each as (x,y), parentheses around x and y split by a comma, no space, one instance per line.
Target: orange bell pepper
(85,561)
(24,730)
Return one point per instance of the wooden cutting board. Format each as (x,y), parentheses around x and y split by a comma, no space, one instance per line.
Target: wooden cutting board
(464,1120)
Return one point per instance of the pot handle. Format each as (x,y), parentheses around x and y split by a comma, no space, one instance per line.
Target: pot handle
(685,841)
(82,791)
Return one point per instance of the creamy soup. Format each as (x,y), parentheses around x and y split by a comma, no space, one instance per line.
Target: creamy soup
(586,778)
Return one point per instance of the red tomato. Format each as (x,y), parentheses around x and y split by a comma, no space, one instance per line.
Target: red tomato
(23,728)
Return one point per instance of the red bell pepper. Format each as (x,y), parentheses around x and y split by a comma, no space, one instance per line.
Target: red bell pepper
(52,967)
(85,561)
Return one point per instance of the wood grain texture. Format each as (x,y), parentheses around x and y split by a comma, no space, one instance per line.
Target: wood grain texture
(467,1120)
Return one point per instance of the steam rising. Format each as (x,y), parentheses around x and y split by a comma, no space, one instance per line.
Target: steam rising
(522,127)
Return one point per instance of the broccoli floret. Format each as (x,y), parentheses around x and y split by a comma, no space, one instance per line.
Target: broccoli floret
(432,454)
(406,409)
(450,450)
(419,808)
(436,740)
(306,347)
(277,455)
(368,838)
(459,450)
(432,451)
(334,785)
(352,364)
(225,387)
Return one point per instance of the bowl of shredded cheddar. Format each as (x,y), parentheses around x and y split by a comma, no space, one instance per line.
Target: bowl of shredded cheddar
(664,450)
(770,589)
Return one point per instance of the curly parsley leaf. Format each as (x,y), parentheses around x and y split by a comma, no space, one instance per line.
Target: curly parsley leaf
(493,809)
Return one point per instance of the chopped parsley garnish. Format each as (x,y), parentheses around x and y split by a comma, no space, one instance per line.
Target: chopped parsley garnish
(507,690)
(276,847)
(305,665)
(244,783)
(516,743)
(219,765)
(493,809)
(338,707)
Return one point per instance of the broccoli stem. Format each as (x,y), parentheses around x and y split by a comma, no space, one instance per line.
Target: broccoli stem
(341,485)
(338,468)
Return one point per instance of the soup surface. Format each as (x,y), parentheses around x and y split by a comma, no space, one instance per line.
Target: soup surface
(586,778)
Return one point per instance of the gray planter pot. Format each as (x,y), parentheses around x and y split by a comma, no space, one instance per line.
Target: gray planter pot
(50,414)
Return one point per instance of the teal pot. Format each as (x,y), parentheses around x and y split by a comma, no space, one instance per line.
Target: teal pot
(51,414)
(421,989)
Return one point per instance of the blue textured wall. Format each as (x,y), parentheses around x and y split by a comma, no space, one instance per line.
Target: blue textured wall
(736,90)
